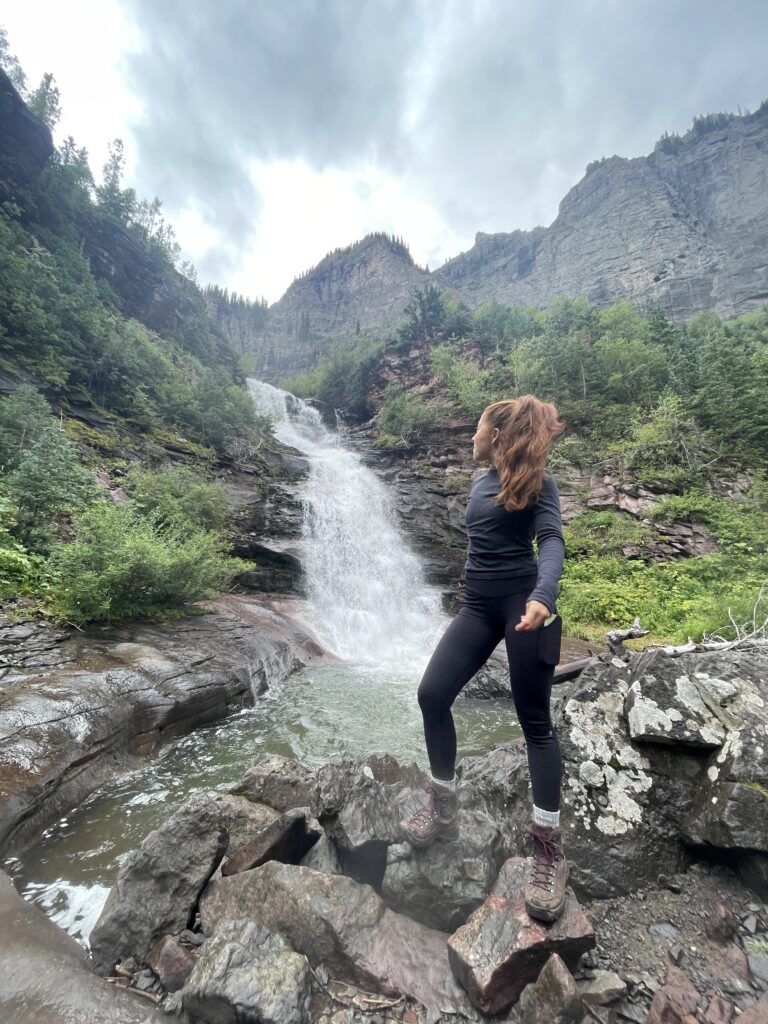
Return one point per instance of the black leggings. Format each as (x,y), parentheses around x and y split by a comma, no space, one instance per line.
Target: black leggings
(466,645)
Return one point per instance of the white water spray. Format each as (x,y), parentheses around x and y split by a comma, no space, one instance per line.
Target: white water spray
(367,597)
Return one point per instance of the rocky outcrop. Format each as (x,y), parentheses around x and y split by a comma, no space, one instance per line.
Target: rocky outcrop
(684,227)
(26,143)
(75,708)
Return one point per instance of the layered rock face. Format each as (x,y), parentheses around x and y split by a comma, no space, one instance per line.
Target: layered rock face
(685,227)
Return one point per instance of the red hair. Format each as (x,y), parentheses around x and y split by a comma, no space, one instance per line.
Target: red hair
(527,426)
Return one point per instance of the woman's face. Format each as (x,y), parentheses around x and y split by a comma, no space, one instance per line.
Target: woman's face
(484,440)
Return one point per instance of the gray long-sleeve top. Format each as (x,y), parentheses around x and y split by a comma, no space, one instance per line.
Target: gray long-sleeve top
(501,542)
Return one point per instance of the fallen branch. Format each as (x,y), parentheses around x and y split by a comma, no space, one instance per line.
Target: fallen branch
(592,1013)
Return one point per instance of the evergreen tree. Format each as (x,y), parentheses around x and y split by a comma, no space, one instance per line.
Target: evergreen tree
(44,101)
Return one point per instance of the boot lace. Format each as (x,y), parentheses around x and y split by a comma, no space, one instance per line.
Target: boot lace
(423,816)
(545,855)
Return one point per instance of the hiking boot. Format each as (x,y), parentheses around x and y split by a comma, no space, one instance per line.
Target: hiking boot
(436,820)
(545,890)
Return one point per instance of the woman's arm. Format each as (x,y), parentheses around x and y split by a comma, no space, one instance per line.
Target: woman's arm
(548,526)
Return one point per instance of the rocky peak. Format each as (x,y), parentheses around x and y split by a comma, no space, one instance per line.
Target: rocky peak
(25,141)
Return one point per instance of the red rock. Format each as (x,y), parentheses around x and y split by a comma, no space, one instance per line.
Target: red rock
(553,998)
(288,838)
(728,962)
(170,962)
(676,1001)
(501,949)
(719,1011)
(757,1013)
(721,924)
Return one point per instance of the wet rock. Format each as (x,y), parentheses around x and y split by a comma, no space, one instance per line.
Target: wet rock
(246,973)
(553,998)
(342,924)
(605,987)
(491,682)
(288,838)
(499,783)
(442,884)
(158,885)
(676,1001)
(278,782)
(170,962)
(46,975)
(114,694)
(753,870)
(501,949)
(721,924)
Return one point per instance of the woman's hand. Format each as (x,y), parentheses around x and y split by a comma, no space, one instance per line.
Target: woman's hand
(536,614)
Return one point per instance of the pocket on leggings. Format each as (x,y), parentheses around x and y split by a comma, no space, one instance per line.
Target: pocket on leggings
(549,642)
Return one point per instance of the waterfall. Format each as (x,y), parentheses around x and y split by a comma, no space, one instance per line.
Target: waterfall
(367,598)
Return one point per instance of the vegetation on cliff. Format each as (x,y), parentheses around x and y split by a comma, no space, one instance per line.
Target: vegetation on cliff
(672,408)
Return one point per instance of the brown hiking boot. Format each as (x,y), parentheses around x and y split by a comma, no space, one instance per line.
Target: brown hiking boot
(436,820)
(545,891)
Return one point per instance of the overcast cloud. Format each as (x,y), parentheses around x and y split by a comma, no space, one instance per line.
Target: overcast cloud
(275,130)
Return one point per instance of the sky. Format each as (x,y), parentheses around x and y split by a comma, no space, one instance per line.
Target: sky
(274,131)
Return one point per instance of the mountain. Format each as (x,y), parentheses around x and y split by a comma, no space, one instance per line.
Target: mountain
(685,227)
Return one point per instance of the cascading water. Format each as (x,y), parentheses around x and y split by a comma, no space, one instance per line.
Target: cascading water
(366,601)
(367,598)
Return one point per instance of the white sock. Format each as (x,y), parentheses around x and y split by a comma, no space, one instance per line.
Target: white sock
(450,785)
(547,819)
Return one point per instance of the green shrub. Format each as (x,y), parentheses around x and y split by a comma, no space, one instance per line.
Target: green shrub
(178,496)
(404,417)
(16,565)
(121,565)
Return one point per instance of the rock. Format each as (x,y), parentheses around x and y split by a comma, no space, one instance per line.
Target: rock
(279,782)
(758,967)
(442,884)
(730,803)
(661,709)
(719,1011)
(360,805)
(721,924)
(753,870)
(26,144)
(491,682)
(323,857)
(288,838)
(170,962)
(757,1013)
(605,987)
(501,949)
(499,783)
(676,1001)
(749,924)
(86,707)
(663,930)
(727,962)
(342,924)
(242,818)
(553,998)
(158,885)
(46,976)
(245,973)
(622,801)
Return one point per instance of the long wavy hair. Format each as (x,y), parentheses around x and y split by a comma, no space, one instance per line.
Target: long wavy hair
(527,426)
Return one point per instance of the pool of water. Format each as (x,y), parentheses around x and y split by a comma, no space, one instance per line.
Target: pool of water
(325,713)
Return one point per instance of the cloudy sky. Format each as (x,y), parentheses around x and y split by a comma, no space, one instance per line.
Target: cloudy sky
(277,130)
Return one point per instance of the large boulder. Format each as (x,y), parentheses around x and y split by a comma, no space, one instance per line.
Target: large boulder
(501,949)
(288,838)
(442,884)
(553,998)
(278,781)
(245,973)
(342,924)
(158,885)
(46,976)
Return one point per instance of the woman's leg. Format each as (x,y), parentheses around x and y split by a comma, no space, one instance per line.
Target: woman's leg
(464,648)
(531,680)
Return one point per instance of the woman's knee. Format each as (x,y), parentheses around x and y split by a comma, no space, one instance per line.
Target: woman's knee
(433,700)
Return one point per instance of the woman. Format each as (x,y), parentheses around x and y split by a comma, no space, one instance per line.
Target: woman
(507,597)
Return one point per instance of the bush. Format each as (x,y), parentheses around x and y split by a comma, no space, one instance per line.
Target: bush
(121,565)
(178,496)
(16,565)
(403,418)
